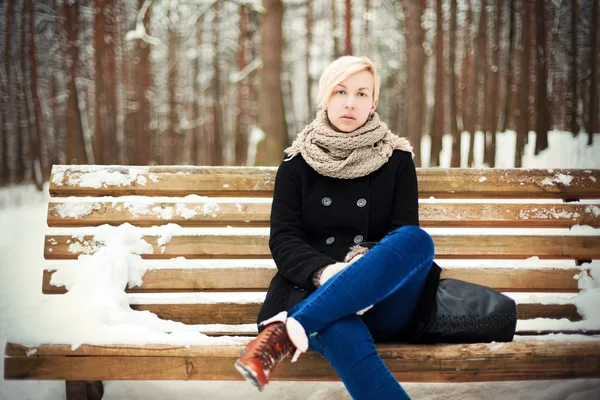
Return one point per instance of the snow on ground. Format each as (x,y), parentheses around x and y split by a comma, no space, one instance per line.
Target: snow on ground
(22,223)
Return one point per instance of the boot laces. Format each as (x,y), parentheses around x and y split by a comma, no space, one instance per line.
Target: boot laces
(274,347)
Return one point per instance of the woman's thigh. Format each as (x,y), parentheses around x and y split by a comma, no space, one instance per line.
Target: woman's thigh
(388,318)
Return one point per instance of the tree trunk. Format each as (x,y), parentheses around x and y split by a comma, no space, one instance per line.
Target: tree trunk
(57,146)
(57,120)
(271,117)
(171,146)
(491,99)
(470,88)
(105,142)
(307,59)
(522,113)
(455,155)
(217,147)
(415,71)
(510,82)
(145,143)
(481,68)
(336,45)
(594,122)
(42,168)
(348,46)
(243,93)
(573,113)
(128,58)
(365,47)
(70,26)
(6,110)
(25,156)
(437,127)
(198,146)
(542,125)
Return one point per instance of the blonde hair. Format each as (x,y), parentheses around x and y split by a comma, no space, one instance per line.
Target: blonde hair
(339,70)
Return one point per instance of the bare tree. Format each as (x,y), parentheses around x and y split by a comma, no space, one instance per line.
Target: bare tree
(348,23)
(491,100)
(415,108)
(105,140)
(169,137)
(145,143)
(307,58)
(70,31)
(199,155)
(522,113)
(572,106)
(542,125)
(41,167)
(455,156)
(437,127)
(10,149)
(594,123)
(243,90)
(19,65)
(365,47)
(510,81)
(217,151)
(271,117)
(468,79)
(336,46)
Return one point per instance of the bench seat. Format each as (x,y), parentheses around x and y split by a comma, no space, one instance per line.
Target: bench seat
(528,233)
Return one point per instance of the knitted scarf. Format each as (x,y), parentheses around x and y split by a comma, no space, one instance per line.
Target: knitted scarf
(346,155)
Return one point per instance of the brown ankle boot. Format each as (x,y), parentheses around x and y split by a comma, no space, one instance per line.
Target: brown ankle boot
(263,354)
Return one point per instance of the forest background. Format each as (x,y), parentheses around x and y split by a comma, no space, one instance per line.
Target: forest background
(232,82)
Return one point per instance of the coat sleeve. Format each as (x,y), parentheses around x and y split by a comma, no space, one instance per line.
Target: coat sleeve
(295,258)
(405,205)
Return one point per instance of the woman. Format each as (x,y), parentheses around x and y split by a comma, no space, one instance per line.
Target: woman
(353,265)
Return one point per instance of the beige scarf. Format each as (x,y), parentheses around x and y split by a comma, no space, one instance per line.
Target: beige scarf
(346,155)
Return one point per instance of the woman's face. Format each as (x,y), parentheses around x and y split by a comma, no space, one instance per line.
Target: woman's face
(349,106)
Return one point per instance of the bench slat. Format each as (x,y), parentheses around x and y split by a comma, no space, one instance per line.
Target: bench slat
(249,214)
(418,363)
(258,181)
(539,332)
(256,246)
(258,279)
(245,313)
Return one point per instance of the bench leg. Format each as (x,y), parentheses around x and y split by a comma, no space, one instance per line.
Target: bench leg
(84,390)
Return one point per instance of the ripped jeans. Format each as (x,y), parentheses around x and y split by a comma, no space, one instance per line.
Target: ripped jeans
(391,277)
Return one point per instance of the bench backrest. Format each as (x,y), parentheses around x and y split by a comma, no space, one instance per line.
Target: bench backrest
(238,260)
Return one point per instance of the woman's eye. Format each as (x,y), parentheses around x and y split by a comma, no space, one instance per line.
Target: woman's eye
(340,92)
(362,94)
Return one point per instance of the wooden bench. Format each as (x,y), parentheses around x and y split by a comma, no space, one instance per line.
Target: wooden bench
(463,199)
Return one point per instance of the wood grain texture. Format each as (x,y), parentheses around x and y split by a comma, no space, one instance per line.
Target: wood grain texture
(409,363)
(258,181)
(256,246)
(248,214)
(257,279)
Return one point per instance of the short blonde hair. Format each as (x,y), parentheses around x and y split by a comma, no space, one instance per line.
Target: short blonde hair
(339,70)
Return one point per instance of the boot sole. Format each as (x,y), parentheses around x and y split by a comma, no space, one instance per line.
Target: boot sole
(249,375)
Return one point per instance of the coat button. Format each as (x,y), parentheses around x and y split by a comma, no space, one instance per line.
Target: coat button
(330,240)
(358,239)
(326,201)
(361,202)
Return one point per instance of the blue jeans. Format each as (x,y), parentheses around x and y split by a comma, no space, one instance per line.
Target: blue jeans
(391,277)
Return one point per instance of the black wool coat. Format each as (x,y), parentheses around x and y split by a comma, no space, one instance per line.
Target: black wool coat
(316,219)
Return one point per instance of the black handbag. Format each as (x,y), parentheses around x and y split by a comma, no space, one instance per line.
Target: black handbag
(465,312)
